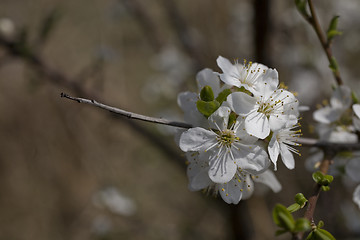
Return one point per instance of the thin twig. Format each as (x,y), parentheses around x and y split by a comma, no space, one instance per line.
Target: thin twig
(314,22)
(308,142)
(128,114)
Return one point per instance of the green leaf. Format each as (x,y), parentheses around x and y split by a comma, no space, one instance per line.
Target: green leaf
(223,95)
(332,30)
(327,180)
(320,224)
(283,218)
(293,207)
(207,108)
(232,119)
(354,97)
(302,225)
(207,94)
(301,6)
(325,188)
(281,231)
(333,64)
(322,234)
(311,236)
(318,177)
(300,199)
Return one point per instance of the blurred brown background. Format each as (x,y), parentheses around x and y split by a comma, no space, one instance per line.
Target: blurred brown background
(70,171)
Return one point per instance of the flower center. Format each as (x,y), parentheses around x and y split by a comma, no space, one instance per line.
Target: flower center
(226,138)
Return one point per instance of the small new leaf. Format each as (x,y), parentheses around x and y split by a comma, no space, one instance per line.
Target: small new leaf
(325,188)
(283,218)
(207,108)
(302,225)
(354,97)
(207,94)
(301,6)
(332,30)
(300,199)
(318,177)
(293,207)
(223,95)
(322,234)
(333,64)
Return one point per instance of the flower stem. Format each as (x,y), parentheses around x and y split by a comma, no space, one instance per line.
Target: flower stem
(314,22)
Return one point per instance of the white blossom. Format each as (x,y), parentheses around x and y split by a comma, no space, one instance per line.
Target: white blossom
(240,187)
(340,101)
(282,143)
(226,149)
(247,75)
(269,109)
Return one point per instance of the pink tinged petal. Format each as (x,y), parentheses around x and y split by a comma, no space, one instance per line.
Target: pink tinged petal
(327,115)
(196,139)
(269,179)
(207,77)
(248,189)
(257,124)
(241,103)
(252,159)
(223,169)
(352,169)
(356,196)
(356,108)
(274,150)
(220,118)
(231,192)
(286,156)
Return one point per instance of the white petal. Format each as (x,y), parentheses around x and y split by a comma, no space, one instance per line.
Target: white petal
(222,170)
(252,158)
(267,84)
(187,102)
(225,65)
(341,98)
(207,77)
(248,189)
(268,178)
(196,139)
(241,103)
(327,115)
(356,196)
(257,124)
(277,122)
(242,133)
(356,123)
(220,118)
(197,172)
(352,169)
(286,156)
(274,150)
(231,192)
(356,108)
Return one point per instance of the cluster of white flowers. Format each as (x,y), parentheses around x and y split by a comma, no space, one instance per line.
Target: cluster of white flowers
(339,121)
(242,121)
